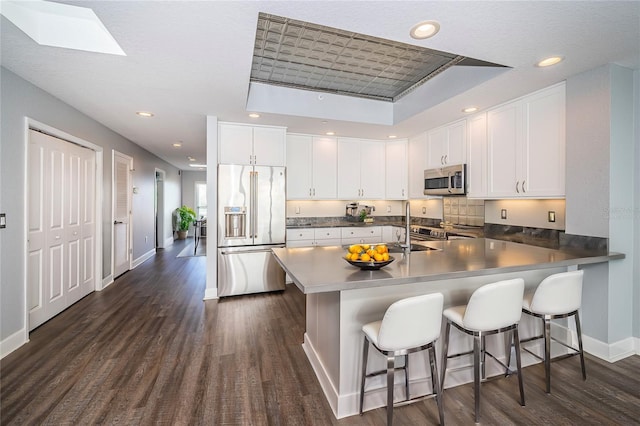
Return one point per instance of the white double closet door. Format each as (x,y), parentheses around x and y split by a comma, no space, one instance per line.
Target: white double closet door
(62,226)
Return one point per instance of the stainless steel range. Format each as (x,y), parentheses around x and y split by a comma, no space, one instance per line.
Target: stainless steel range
(425,233)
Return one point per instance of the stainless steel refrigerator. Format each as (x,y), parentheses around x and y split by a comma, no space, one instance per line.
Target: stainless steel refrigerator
(251,221)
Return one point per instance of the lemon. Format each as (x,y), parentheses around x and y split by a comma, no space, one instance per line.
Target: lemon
(365,257)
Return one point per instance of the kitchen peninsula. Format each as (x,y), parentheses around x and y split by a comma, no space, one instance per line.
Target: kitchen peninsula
(340,298)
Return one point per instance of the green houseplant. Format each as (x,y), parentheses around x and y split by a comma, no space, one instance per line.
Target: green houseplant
(186,216)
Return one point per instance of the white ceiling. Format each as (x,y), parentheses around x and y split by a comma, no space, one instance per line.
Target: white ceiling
(189,59)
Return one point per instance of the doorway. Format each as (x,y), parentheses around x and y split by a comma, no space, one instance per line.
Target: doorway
(121,211)
(160,216)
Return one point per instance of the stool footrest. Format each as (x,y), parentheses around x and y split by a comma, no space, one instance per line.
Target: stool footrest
(415,399)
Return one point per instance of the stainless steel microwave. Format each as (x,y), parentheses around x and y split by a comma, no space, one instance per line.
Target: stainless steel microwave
(450,180)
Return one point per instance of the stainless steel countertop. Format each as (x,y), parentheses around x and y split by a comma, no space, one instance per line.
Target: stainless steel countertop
(323,269)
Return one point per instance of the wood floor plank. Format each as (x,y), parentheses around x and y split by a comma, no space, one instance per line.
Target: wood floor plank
(148,351)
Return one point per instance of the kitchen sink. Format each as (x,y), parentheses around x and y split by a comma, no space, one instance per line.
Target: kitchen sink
(414,247)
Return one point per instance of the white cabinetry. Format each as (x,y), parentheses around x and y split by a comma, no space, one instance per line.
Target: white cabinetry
(361,235)
(477,156)
(396,170)
(417,165)
(390,234)
(244,144)
(446,145)
(311,167)
(309,237)
(361,166)
(526,146)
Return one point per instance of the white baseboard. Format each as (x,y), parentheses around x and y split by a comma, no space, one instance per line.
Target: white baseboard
(106,281)
(168,241)
(13,342)
(330,392)
(148,255)
(210,293)
(611,352)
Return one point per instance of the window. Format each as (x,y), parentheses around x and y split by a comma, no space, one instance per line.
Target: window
(201,200)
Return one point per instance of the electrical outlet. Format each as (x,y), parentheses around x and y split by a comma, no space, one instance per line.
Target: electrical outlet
(551,216)
(424,210)
(145,239)
(3,220)
(503,214)
(388,209)
(297,209)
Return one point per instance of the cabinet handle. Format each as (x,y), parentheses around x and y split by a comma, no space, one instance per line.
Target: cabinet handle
(523,190)
(517,190)
(403,192)
(314,192)
(442,159)
(309,192)
(446,159)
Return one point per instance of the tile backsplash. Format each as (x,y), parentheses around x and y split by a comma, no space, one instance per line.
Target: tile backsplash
(463,211)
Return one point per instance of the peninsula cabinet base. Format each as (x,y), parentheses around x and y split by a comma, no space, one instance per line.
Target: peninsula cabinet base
(333,340)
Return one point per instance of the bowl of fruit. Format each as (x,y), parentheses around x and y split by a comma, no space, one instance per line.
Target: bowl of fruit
(368,257)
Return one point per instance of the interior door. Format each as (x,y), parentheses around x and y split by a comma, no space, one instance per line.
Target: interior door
(61,179)
(122,166)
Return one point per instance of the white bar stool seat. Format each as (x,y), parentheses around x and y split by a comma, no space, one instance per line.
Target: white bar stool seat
(409,325)
(557,296)
(492,308)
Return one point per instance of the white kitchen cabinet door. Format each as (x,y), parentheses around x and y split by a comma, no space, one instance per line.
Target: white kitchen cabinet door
(372,165)
(417,165)
(360,169)
(349,169)
(446,145)
(504,141)
(544,144)
(477,156)
(243,144)
(236,144)
(269,146)
(396,170)
(324,168)
(526,146)
(299,167)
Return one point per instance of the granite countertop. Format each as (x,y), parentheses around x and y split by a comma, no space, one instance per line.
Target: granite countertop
(340,222)
(323,269)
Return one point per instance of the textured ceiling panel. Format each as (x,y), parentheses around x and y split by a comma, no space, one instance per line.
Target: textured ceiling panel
(314,57)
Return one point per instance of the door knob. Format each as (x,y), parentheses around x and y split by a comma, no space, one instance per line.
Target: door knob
(116,222)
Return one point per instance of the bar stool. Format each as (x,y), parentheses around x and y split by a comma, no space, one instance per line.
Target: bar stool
(557,296)
(492,308)
(409,325)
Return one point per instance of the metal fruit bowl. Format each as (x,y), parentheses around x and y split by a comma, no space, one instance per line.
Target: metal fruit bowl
(370,265)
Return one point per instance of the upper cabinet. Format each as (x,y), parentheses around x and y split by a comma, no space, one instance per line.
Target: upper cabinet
(255,145)
(417,165)
(361,169)
(477,156)
(312,163)
(396,169)
(526,146)
(447,145)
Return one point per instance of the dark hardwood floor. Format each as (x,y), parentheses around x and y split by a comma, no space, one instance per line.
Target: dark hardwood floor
(148,350)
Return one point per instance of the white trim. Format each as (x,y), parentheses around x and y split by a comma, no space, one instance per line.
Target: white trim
(106,281)
(210,293)
(13,342)
(30,123)
(148,255)
(160,209)
(611,352)
(168,241)
(330,391)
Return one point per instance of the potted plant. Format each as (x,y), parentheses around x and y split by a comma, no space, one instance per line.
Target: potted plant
(186,216)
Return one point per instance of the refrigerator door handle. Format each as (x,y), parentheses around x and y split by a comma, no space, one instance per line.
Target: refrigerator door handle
(252,191)
(254,210)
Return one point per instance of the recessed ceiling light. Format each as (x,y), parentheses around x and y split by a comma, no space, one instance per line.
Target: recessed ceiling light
(191,159)
(467,110)
(425,29)
(551,60)
(177,144)
(254,115)
(330,133)
(392,136)
(144,114)
(198,165)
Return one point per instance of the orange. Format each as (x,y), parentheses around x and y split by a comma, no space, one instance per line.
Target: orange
(371,252)
(365,257)
(385,256)
(378,257)
(381,249)
(355,256)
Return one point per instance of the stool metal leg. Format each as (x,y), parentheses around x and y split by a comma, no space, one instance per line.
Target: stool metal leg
(516,338)
(476,374)
(435,383)
(390,368)
(547,353)
(579,331)
(406,376)
(508,339)
(365,353)
(483,357)
(445,348)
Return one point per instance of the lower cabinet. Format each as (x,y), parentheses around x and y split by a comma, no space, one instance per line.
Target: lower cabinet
(361,235)
(309,237)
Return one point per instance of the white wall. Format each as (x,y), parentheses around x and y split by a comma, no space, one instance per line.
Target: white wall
(20,99)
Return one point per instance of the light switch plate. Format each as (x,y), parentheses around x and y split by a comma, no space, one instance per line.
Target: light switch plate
(503,214)
(551,216)
(3,220)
